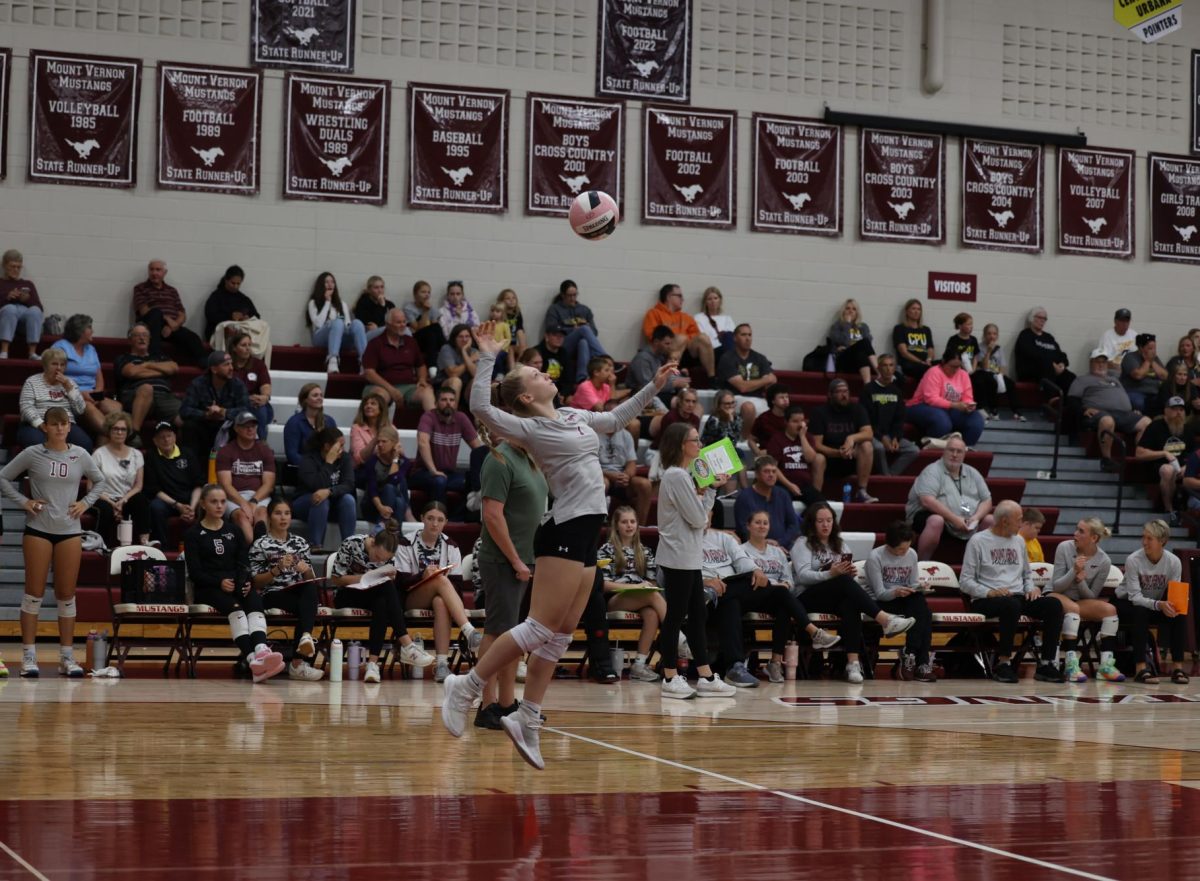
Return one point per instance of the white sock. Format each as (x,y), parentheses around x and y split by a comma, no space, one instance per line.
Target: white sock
(66,652)
(443,659)
(1106,658)
(467,629)
(261,647)
(640,659)
(29,651)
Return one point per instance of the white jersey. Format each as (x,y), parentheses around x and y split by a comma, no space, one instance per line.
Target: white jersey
(54,477)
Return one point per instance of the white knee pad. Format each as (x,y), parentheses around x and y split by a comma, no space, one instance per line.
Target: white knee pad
(66,608)
(530,634)
(30,604)
(237,624)
(555,648)
(257,622)
(1070,628)
(1109,625)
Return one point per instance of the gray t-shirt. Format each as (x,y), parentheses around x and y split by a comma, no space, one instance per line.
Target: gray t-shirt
(886,572)
(962,494)
(1095,572)
(1145,583)
(54,477)
(991,562)
(1100,393)
(642,368)
(682,519)
(773,562)
(1148,384)
(722,556)
(616,450)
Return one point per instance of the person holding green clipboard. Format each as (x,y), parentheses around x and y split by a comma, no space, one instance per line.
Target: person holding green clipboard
(625,563)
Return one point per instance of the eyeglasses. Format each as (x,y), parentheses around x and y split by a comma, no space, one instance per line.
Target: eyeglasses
(118,429)
(691,440)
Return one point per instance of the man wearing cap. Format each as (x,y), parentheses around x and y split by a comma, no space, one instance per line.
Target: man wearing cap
(213,399)
(246,471)
(1120,340)
(1105,406)
(1166,443)
(556,361)
(1142,372)
(173,479)
(841,432)
(144,382)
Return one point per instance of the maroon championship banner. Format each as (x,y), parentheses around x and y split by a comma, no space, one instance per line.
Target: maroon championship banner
(1002,196)
(797,186)
(336,139)
(1174,198)
(1196,100)
(303,34)
(1095,202)
(645,50)
(689,167)
(572,146)
(457,148)
(209,128)
(5,79)
(902,193)
(83,119)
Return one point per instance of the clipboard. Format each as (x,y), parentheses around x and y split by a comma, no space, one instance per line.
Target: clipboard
(719,458)
(373,578)
(636,590)
(432,575)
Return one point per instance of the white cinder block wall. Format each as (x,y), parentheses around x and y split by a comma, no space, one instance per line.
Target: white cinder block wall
(1061,66)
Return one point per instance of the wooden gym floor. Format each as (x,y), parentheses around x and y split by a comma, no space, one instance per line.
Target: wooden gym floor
(149,778)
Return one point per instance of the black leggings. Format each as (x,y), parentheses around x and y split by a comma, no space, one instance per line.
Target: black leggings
(684,590)
(987,393)
(920,636)
(228,603)
(741,597)
(854,358)
(137,509)
(1137,620)
(299,601)
(842,596)
(1010,609)
(386,607)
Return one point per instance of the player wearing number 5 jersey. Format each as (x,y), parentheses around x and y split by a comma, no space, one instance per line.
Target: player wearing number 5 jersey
(55,469)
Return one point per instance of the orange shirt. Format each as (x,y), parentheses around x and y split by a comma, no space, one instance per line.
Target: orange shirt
(679,322)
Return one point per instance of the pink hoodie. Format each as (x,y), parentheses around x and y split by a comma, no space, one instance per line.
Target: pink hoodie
(939,390)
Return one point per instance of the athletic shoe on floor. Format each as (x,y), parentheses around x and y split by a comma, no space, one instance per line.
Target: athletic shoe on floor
(738,676)
(897,624)
(685,650)
(823,639)
(1049,673)
(68,667)
(266,664)
(677,687)
(29,668)
(1074,674)
(489,717)
(307,648)
(603,675)
(525,733)
(775,670)
(925,673)
(854,674)
(474,641)
(372,673)
(307,672)
(3,670)
(907,668)
(1108,672)
(1004,672)
(456,704)
(641,672)
(714,687)
(864,497)
(414,656)
(441,671)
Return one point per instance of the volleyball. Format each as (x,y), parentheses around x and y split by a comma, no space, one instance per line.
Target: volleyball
(594,215)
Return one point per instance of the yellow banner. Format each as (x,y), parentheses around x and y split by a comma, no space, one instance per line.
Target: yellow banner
(1149,19)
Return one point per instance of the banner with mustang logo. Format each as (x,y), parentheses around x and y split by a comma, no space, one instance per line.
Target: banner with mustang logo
(457,148)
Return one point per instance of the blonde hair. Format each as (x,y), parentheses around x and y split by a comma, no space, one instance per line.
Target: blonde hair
(850,304)
(388,432)
(1096,527)
(51,355)
(712,289)
(119,416)
(639,551)
(1157,529)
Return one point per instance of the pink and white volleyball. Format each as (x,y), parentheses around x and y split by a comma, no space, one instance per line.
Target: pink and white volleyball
(594,215)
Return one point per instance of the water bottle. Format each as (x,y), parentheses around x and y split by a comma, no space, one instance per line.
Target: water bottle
(335,661)
(791,660)
(101,650)
(125,533)
(418,672)
(355,660)
(90,659)
(847,492)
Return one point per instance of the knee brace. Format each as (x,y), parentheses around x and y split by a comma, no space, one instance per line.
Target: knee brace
(1109,625)
(530,634)
(555,648)
(30,604)
(1070,625)
(237,624)
(66,608)
(257,622)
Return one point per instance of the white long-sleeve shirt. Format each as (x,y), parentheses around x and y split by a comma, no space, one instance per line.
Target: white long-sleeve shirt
(886,572)
(1146,583)
(1095,572)
(774,563)
(992,562)
(38,396)
(327,314)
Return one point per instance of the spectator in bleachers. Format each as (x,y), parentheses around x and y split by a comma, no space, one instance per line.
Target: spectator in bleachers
(1166,443)
(963,343)
(841,432)
(497,315)
(618,464)
(309,418)
(687,338)
(725,422)
(439,435)
(823,572)
(213,401)
(883,399)
(368,422)
(22,306)
(893,582)
(1191,481)
(685,407)
(121,496)
(714,323)
(420,310)
(218,562)
(83,368)
(1081,568)
(514,319)
(913,342)
(851,342)
(996,578)
(456,309)
(331,323)
(372,307)
(278,560)
(421,558)
(649,359)
(556,362)
(597,392)
(1142,372)
(228,310)
(1037,355)
(948,496)
(944,402)
(385,478)
(532,357)
(456,361)
(246,472)
(1178,384)
(51,388)
(1106,407)
(766,495)
(157,305)
(144,382)
(394,362)
(988,380)
(1032,521)
(631,564)
(172,483)
(581,340)
(801,467)
(772,420)
(325,486)
(1142,601)
(745,371)
(1120,340)
(256,377)
(1185,352)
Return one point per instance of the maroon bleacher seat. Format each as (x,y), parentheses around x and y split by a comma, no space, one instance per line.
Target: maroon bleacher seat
(896,489)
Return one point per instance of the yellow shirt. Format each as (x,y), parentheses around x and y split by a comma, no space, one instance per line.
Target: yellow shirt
(1033,548)
(503,333)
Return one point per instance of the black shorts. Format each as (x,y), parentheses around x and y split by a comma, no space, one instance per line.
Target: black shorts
(576,539)
(51,537)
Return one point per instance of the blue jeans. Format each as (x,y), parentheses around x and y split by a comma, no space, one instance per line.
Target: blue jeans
(583,345)
(332,335)
(395,496)
(936,422)
(28,436)
(29,317)
(160,513)
(265,415)
(317,516)
(371,334)
(1137,400)
(437,487)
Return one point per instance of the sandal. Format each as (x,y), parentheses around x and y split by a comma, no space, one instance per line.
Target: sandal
(1178,677)
(1145,677)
